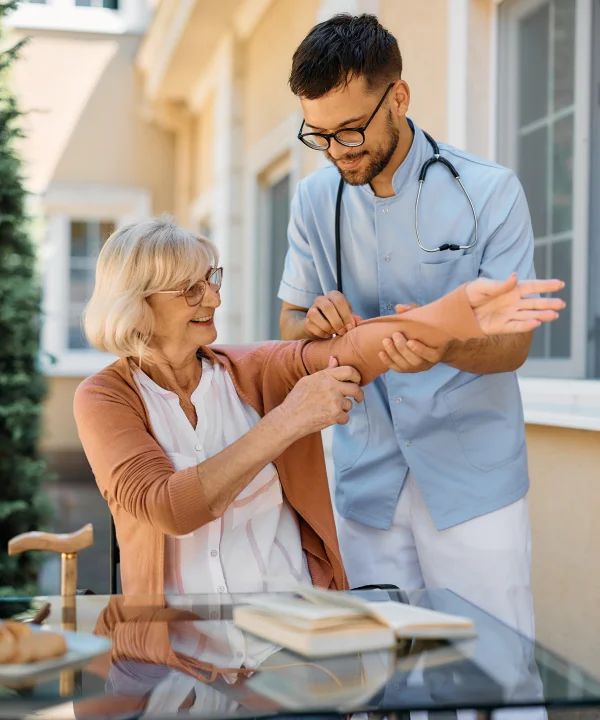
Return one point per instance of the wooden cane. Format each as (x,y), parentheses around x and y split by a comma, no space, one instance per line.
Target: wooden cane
(68,545)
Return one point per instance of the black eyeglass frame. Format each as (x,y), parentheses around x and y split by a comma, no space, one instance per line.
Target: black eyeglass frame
(328,136)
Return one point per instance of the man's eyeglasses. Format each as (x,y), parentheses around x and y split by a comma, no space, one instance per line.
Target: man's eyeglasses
(195,294)
(350,137)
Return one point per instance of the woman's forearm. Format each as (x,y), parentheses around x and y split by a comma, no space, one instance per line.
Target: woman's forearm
(226,474)
(450,318)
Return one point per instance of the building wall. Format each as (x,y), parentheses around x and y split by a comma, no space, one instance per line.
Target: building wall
(267,97)
(59,429)
(424,54)
(90,129)
(479,77)
(564,501)
(203,161)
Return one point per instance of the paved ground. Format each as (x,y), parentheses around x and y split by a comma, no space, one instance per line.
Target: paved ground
(77,501)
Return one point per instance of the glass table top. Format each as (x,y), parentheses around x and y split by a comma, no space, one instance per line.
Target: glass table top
(183,655)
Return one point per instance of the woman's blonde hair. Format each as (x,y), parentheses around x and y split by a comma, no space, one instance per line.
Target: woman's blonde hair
(136,261)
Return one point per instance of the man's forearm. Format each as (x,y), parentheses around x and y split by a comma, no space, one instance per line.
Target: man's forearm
(492,354)
(292,325)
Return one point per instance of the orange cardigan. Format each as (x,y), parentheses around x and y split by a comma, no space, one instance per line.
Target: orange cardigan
(149,500)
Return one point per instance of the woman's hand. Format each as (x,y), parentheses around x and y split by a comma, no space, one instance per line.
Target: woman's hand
(502,307)
(320,400)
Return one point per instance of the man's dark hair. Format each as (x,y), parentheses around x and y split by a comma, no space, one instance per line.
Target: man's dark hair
(341,48)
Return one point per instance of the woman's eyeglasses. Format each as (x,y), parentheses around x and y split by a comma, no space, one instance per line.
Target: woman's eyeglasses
(195,294)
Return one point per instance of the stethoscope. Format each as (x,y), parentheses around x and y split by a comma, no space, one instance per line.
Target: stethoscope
(436,158)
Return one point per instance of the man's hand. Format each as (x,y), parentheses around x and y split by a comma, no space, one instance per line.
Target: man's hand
(409,356)
(506,307)
(330,314)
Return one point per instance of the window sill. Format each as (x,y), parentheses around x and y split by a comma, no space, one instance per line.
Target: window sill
(561,403)
(76,363)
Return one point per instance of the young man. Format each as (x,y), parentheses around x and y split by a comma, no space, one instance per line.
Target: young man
(431,471)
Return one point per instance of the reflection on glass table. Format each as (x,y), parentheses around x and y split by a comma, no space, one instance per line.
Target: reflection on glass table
(184,655)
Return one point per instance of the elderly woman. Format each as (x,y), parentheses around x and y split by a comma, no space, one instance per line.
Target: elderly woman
(211,459)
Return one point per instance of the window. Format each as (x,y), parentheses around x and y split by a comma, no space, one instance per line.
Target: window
(278,201)
(79,219)
(111,17)
(545,150)
(594,260)
(542,110)
(107,4)
(87,237)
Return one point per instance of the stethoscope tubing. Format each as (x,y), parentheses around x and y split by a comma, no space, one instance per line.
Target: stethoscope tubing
(436,158)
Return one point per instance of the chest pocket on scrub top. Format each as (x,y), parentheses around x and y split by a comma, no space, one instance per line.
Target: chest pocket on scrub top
(436,279)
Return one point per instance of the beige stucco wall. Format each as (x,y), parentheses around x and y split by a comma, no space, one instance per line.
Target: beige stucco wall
(564,501)
(478,78)
(59,430)
(203,155)
(421,31)
(89,128)
(268,58)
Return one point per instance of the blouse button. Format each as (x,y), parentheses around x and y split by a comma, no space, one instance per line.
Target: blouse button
(221,589)
(385,211)
(387,258)
(214,615)
(198,447)
(214,553)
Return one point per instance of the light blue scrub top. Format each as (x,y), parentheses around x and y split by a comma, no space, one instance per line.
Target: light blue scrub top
(461,435)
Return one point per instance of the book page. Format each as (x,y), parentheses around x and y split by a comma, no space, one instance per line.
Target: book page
(399,615)
(295,607)
(332,599)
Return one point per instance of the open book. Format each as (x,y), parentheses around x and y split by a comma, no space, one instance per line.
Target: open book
(322,623)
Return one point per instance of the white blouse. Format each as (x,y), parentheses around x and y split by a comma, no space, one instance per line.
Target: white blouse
(255,546)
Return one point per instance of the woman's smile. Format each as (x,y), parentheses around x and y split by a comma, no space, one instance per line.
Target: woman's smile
(204,320)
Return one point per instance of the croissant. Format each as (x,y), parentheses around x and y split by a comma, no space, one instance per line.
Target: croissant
(18,644)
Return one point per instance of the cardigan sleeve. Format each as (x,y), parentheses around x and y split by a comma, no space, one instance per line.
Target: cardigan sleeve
(130,466)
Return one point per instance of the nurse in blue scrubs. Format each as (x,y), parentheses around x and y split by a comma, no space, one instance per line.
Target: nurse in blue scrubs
(431,472)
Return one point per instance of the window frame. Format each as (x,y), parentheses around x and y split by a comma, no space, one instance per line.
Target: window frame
(133,16)
(276,154)
(511,11)
(278,170)
(83,262)
(60,206)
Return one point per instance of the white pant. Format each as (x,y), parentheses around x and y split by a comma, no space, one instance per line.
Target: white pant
(487,561)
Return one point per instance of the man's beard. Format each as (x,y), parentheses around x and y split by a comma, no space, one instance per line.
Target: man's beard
(379,159)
